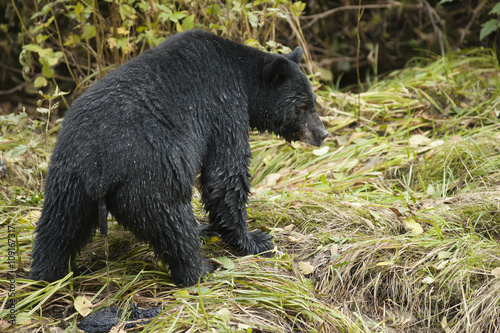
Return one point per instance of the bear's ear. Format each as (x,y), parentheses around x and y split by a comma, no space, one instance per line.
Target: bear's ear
(295,55)
(276,71)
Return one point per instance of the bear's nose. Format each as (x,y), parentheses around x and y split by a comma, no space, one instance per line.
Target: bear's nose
(322,134)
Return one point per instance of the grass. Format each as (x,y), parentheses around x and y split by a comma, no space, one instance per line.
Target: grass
(395,226)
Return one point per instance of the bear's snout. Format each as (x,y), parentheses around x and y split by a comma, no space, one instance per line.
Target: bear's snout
(320,135)
(313,131)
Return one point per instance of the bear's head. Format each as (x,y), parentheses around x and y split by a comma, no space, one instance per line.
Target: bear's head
(288,101)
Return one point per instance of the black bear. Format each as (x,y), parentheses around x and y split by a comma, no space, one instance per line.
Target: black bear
(133,144)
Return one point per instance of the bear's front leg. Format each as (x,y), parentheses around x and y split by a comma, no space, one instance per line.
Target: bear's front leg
(225,188)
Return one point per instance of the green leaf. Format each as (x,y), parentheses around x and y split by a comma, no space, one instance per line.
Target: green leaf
(488,28)
(47,71)
(226,262)
(34,48)
(52,58)
(178,16)
(19,150)
(253,19)
(126,11)
(298,7)
(164,8)
(72,40)
(40,82)
(188,23)
(79,8)
(495,10)
(122,42)
(13,119)
(88,31)
(213,10)
(164,17)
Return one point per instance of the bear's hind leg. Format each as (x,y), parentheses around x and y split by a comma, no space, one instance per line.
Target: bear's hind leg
(180,247)
(62,231)
(172,231)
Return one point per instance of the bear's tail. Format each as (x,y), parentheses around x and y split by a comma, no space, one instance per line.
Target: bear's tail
(69,217)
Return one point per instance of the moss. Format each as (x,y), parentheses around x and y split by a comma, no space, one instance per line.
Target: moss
(270,218)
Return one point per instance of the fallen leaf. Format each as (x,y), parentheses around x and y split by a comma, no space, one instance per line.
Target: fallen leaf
(431,191)
(23,318)
(181,293)
(385,263)
(444,255)
(334,253)
(442,265)
(3,325)
(496,272)
(368,223)
(118,328)
(321,151)
(356,135)
(83,305)
(352,204)
(198,290)
(412,226)
(444,325)
(436,143)
(395,211)
(375,215)
(294,239)
(334,249)
(306,268)
(419,140)
(428,280)
(224,314)
(272,179)
(226,262)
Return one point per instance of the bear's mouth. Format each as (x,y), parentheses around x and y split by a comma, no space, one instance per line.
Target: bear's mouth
(314,138)
(312,131)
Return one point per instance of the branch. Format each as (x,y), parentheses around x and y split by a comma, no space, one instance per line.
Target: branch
(316,17)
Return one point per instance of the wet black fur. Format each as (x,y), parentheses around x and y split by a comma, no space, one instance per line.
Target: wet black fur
(135,141)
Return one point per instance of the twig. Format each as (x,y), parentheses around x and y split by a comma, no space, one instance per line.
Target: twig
(439,33)
(472,20)
(13,90)
(295,25)
(360,14)
(316,17)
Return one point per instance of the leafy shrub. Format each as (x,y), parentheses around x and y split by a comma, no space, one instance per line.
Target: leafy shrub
(75,41)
